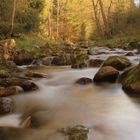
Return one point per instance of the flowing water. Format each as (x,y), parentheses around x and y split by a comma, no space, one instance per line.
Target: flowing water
(106,110)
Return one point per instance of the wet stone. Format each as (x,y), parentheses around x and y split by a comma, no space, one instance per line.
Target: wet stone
(77,132)
(84,81)
(6,105)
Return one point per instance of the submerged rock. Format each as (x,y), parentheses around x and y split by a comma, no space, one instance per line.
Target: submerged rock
(130,80)
(106,74)
(118,62)
(26,123)
(84,81)
(77,132)
(34,117)
(6,105)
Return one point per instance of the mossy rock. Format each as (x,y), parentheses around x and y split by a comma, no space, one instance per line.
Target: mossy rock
(130,80)
(118,62)
(95,62)
(5,64)
(79,61)
(62,60)
(77,132)
(7,68)
(4,73)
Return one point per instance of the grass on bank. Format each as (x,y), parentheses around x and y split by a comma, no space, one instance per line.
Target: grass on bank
(33,42)
(118,41)
(30,43)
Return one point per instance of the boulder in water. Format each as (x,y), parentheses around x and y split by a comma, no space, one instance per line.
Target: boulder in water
(6,105)
(118,62)
(77,132)
(84,81)
(130,80)
(106,74)
(130,54)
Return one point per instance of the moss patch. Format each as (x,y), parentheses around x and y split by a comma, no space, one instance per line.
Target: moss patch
(118,62)
(6,68)
(131,75)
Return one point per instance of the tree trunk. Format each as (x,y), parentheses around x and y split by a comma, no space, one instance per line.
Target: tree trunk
(57,22)
(13,17)
(106,25)
(96,18)
(49,24)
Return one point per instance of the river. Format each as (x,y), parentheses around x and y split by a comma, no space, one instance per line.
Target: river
(106,110)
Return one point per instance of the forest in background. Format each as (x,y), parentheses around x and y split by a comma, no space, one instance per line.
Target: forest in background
(70,20)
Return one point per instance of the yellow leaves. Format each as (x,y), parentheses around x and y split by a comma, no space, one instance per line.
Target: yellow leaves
(48,5)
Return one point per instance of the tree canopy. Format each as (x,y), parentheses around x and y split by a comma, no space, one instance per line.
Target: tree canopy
(70,20)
